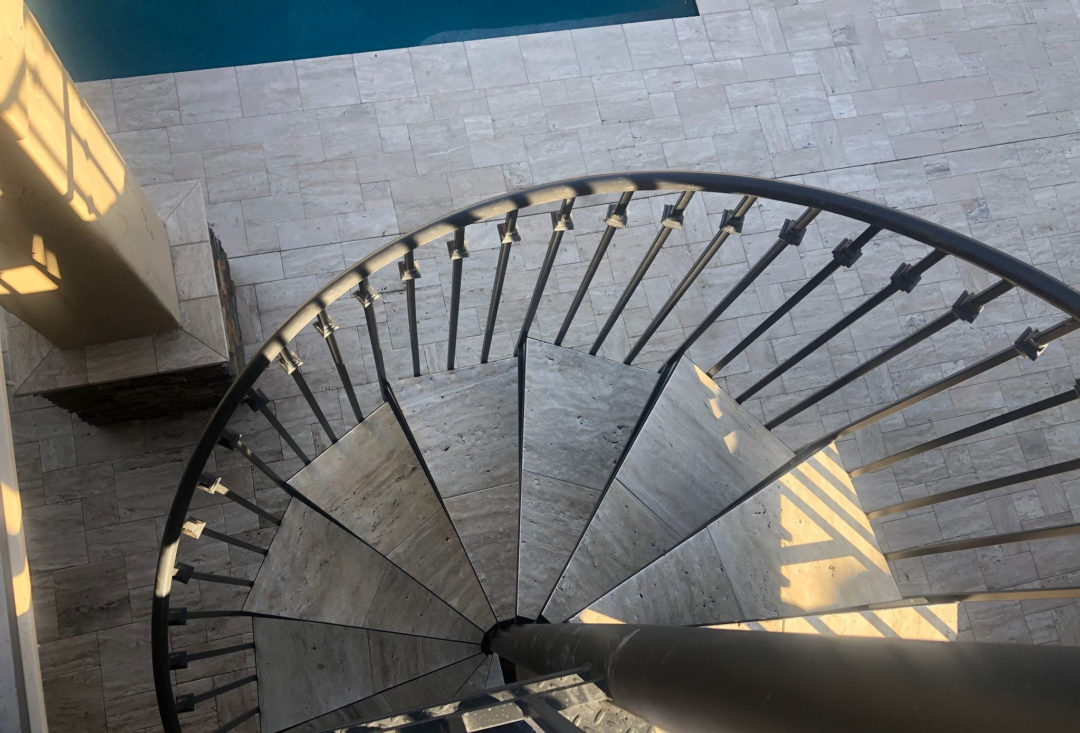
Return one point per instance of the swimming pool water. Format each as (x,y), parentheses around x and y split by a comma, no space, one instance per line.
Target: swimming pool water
(104,39)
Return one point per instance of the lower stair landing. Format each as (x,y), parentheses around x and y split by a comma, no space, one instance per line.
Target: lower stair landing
(309,669)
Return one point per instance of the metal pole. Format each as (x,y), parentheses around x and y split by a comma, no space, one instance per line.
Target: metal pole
(672,219)
(560,224)
(410,273)
(508,234)
(616,219)
(694,679)
(732,224)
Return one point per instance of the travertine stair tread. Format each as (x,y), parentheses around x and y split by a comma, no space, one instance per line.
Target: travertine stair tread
(802,544)
(316,571)
(697,451)
(465,424)
(580,411)
(917,622)
(307,669)
(438,685)
(372,482)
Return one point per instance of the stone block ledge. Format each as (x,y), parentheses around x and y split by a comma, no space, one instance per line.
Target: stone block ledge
(152,376)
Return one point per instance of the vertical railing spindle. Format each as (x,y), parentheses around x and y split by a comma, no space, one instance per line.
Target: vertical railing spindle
(672,219)
(459,250)
(410,273)
(791,234)
(904,279)
(561,222)
(616,219)
(291,363)
(259,402)
(508,234)
(367,296)
(844,254)
(326,327)
(732,223)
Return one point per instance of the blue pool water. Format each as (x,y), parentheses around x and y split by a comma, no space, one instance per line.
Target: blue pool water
(103,39)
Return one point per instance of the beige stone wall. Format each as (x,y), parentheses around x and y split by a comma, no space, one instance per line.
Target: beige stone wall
(22,703)
(83,256)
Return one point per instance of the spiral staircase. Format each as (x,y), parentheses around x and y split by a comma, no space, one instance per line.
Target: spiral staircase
(432,560)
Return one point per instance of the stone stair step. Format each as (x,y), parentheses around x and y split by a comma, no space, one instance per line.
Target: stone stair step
(579,413)
(802,544)
(307,669)
(372,482)
(919,622)
(317,571)
(441,684)
(697,451)
(465,424)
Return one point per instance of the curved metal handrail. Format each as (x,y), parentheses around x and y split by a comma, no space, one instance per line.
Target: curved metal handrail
(942,240)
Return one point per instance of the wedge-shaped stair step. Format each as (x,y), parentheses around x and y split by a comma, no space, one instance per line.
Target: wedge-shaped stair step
(317,571)
(580,411)
(923,622)
(372,482)
(801,544)
(495,675)
(687,586)
(465,423)
(308,669)
(443,684)
(697,451)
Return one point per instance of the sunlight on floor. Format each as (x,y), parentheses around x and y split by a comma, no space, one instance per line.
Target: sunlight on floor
(937,622)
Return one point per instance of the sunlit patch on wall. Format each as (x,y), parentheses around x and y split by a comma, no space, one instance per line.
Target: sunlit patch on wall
(39,277)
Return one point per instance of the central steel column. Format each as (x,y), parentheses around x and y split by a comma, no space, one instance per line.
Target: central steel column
(692,679)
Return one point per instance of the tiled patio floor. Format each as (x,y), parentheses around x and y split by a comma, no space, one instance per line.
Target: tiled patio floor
(965,113)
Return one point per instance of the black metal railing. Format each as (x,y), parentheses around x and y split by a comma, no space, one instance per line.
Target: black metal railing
(869,222)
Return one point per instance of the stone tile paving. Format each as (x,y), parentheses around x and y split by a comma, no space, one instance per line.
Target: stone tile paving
(963,112)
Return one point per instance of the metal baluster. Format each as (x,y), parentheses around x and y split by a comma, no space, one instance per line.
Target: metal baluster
(1027,535)
(196,528)
(977,488)
(235,442)
(181,659)
(187,703)
(259,402)
(979,427)
(732,223)
(291,363)
(844,254)
(672,219)
(326,327)
(791,234)
(184,573)
(212,485)
(367,297)
(561,222)
(966,308)
(459,250)
(508,234)
(410,273)
(1030,344)
(905,278)
(615,219)
(238,721)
